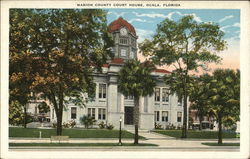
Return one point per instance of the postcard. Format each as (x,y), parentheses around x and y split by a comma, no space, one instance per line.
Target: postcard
(125,79)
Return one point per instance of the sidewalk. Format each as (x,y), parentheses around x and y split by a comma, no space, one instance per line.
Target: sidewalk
(163,142)
(167,141)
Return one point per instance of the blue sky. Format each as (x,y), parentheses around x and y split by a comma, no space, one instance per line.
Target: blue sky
(145,22)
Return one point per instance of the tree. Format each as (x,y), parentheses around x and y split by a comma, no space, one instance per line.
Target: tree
(19,85)
(199,96)
(225,97)
(15,113)
(187,46)
(17,116)
(134,79)
(59,49)
(43,107)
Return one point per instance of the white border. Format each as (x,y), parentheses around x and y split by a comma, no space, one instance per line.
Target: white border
(245,83)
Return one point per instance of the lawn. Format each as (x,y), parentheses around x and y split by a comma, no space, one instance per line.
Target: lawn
(196,134)
(223,144)
(79,144)
(72,133)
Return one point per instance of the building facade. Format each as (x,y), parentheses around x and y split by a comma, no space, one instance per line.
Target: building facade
(110,105)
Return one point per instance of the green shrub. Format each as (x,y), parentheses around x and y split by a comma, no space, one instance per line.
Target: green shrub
(179,127)
(110,126)
(102,125)
(65,125)
(16,114)
(170,127)
(54,124)
(158,126)
(87,121)
(72,123)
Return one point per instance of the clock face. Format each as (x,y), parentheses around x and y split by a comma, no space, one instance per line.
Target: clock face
(123,31)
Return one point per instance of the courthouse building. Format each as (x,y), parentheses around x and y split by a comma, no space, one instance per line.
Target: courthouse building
(109,105)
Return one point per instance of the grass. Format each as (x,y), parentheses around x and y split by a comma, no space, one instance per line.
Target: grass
(72,133)
(79,144)
(196,134)
(223,144)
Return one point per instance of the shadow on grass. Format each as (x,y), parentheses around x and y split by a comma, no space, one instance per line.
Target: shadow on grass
(223,144)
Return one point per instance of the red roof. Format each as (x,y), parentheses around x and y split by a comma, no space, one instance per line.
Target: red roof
(119,23)
(105,65)
(161,71)
(117,61)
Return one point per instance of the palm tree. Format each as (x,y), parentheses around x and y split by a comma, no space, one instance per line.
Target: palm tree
(134,79)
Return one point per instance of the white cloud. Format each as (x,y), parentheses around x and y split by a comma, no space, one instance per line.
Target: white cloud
(196,18)
(224,27)
(139,20)
(237,32)
(150,15)
(118,14)
(236,25)
(229,26)
(226,18)
(169,15)
(144,34)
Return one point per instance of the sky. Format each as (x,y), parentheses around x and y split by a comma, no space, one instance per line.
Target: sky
(145,22)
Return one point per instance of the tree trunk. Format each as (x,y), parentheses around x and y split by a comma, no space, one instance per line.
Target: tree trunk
(59,115)
(136,120)
(184,128)
(59,124)
(220,129)
(25,117)
(200,119)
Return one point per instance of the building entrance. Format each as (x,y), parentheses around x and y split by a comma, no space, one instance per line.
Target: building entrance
(129,116)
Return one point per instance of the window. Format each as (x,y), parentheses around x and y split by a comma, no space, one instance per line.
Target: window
(131,54)
(73,113)
(165,116)
(165,96)
(157,94)
(102,90)
(157,115)
(91,112)
(179,115)
(123,52)
(123,41)
(101,114)
(133,42)
(179,101)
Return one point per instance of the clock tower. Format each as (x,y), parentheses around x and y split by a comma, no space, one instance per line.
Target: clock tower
(124,36)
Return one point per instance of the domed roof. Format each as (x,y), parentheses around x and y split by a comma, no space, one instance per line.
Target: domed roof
(118,24)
